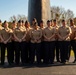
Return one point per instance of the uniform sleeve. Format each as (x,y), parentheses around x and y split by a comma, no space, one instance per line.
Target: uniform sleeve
(30,33)
(43,32)
(58,31)
(0,32)
(40,33)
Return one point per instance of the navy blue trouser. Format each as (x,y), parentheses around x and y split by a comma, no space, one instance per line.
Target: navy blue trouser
(42,50)
(49,51)
(35,50)
(57,50)
(24,52)
(9,51)
(28,52)
(21,52)
(64,50)
(13,50)
(73,44)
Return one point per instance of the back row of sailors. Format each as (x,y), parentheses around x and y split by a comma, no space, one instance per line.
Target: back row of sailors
(26,42)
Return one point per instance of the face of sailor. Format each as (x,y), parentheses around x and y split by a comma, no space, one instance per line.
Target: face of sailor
(41,25)
(35,27)
(27,25)
(48,24)
(20,24)
(6,25)
(63,23)
(54,23)
(71,23)
(14,24)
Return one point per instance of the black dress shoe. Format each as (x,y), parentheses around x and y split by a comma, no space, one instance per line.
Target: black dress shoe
(2,64)
(62,62)
(58,60)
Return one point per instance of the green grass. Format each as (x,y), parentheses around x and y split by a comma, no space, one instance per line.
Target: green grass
(72,53)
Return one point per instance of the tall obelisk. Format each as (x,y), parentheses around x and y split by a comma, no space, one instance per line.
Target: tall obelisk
(39,9)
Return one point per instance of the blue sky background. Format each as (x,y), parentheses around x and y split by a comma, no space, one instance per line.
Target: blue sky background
(9,8)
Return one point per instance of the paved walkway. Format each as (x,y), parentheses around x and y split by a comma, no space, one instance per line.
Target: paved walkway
(56,69)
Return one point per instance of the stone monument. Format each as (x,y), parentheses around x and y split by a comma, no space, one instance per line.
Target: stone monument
(39,9)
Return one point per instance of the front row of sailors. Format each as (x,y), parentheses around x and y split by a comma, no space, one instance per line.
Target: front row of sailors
(24,42)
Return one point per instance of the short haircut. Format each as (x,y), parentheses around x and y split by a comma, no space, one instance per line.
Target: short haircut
(14,21)
(63,20)
(35,24)
(54,20)
(19,21)
(48,21)
(71,20)
(34,19)
(26,22)
(5,21)
(41,21)
(22,21)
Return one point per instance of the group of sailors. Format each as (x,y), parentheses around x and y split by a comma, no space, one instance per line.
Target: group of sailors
(27,43)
